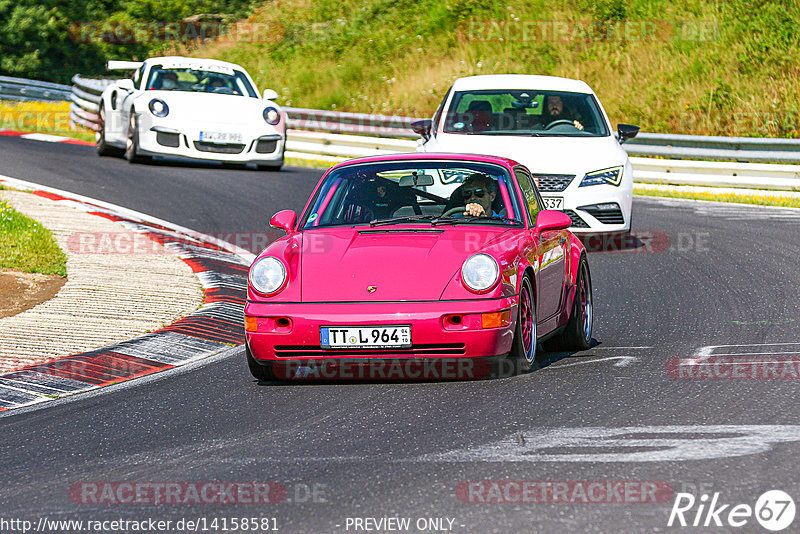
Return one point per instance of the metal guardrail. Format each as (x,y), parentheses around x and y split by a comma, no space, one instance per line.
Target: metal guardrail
(351,123)
(334,136)
(85,99)
(22,89)
(708,147)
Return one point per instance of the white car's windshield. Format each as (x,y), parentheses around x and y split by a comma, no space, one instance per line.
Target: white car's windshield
(424,191)
(524,112)
(218,80)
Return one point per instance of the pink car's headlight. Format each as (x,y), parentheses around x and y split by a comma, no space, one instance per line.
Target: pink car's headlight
(268,275)
(480,272)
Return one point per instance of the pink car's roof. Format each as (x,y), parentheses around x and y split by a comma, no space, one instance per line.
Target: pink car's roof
(430,156)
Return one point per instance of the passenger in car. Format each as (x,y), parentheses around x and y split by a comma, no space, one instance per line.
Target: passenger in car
(481,112)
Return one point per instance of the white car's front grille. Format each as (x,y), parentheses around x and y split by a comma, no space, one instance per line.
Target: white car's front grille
(553,183)
(219,148)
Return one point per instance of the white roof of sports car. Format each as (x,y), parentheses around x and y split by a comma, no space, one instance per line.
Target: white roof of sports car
(176,62)
(521,81)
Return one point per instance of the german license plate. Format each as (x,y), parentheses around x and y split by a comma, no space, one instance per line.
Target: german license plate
(365,337)
(553,203)
(221,137)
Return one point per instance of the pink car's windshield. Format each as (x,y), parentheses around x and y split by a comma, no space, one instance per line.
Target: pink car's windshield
(408,191)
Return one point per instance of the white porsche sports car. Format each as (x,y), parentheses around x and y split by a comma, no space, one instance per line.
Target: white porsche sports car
(554,126)
(187,108)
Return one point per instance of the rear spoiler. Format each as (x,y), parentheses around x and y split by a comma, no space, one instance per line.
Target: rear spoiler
(123,65)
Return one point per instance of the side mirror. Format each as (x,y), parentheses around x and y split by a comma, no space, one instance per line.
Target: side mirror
(284,220)
(126,84)
(626,132)
(552,220)
(270,94)
(422,128)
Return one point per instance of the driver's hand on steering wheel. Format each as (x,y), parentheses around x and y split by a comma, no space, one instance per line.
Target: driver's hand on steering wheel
(577,125)
(474,210)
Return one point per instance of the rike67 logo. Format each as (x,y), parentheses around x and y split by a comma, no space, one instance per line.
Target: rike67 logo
(774,510)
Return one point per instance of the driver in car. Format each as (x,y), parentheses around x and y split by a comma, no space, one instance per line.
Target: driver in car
(555,110)
(478,192)
(169,81)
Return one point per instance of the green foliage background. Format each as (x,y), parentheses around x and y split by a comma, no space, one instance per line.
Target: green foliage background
(713,67)
(39,40)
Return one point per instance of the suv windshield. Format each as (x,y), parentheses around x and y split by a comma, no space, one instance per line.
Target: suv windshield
(427,192)
(523,112)
(218,80)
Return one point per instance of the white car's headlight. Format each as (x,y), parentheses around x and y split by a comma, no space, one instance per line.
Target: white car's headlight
(272,116)
(612,176)
(480,272)
(267,275)
(158,107)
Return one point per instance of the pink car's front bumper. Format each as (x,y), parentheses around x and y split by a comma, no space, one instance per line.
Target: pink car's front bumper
(433,334)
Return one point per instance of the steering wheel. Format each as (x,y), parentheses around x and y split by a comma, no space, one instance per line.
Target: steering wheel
(365,213)
(453,211)
(559,121)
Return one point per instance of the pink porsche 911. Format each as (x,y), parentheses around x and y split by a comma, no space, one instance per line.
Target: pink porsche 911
(421,266)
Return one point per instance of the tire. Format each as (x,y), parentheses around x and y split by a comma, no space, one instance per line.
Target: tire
(260,371)
(132,144)
(523,348)
(103,148)
(577,334)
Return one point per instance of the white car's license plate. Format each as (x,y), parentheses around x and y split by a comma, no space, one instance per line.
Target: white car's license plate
(365,337)
(221,137)
(553,203)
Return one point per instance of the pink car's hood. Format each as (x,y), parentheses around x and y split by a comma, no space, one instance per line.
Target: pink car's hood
(339,264)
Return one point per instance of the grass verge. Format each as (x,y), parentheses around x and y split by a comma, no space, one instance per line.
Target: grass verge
(783,202)
(41,117)
(27,246)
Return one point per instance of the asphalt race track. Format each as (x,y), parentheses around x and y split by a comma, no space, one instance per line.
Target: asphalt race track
(718,276)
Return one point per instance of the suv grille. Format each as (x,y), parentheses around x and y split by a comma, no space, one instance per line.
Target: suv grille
(553,183)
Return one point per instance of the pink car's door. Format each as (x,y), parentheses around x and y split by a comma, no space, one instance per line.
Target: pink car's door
(549,254)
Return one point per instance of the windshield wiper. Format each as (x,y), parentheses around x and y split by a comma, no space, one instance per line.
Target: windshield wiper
(459,220)
(408,218)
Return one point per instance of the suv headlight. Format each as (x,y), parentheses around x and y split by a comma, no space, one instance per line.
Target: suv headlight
(611,176)
(272,116)
(267,275)
(480,272)
(158,107)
